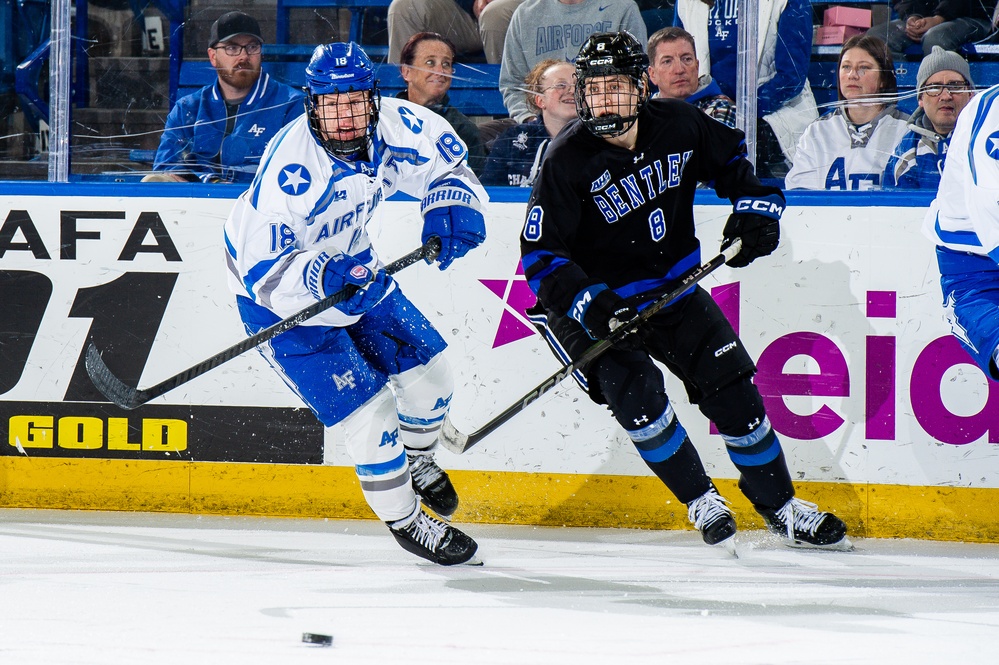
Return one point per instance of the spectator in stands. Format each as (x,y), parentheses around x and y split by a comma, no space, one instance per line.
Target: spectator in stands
(944,86)
(219,133)
(473,26)
(517,153)
(848,148)
(948,24)
(427,68)
(785,105)
(674,69)
(542,29)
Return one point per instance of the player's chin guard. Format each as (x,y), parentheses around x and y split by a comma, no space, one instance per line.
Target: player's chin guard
(607,54)
(338,69)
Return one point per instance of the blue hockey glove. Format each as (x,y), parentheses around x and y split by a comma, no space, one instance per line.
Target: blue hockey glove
(757,223)
(341,270)
(367,297)
(601,311)
(460,229)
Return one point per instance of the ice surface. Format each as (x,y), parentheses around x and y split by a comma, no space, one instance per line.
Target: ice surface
(135,588)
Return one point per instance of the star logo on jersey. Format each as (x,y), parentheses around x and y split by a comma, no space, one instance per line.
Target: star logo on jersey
(409,119)
(294,179)
(517,297)
(992,145)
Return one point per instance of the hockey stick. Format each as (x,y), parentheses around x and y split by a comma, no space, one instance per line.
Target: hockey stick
(458,443)
(128,397)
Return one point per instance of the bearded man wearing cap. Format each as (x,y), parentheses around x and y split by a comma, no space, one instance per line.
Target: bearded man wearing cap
(218,133)
(944,88)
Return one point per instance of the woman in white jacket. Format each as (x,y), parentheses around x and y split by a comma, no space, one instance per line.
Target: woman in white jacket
(848,148)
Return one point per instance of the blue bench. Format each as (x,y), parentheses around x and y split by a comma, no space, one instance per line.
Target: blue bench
(474,89)
(358,12)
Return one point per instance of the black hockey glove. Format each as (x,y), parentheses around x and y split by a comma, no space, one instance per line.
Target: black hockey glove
(757,223)
(601,311)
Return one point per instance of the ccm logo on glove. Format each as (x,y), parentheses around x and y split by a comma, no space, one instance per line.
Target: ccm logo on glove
(771,206)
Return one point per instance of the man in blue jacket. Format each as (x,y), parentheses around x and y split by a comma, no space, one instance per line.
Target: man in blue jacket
(944,86)
(218,133)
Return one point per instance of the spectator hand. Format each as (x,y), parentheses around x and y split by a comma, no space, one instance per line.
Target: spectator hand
(757,223)
(460,229)
(478,6)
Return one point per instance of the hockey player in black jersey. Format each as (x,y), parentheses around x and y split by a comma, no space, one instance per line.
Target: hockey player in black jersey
(609,228)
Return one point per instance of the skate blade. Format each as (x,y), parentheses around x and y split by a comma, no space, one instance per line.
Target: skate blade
(728,545)
(842,545)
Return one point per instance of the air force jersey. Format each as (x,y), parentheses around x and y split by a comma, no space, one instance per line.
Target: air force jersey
(836,154)
(600,213)
(304,206)
(964,216)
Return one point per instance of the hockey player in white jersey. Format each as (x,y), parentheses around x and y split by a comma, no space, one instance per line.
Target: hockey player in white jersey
(963,221)
(373,364)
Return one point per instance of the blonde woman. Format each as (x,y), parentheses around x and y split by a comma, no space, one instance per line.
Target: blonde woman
(517,153)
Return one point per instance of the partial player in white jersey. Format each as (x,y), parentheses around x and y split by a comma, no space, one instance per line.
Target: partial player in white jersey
(963,221)
(373,364)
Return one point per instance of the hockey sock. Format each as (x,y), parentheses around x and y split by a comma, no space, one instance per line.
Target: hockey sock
(767,485)
(666,449)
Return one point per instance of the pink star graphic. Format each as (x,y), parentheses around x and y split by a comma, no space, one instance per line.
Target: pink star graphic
(517,297)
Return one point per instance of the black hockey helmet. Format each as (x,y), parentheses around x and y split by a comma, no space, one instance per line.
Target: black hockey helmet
(611,54)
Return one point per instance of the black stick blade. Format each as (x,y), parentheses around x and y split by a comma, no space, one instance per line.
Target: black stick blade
(110,385)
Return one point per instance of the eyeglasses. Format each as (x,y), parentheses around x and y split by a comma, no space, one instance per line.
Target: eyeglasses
(560,87)
(253,48)
(955,88)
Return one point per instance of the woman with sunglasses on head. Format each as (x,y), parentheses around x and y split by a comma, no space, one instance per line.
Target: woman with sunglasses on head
(517,153)
(848,148)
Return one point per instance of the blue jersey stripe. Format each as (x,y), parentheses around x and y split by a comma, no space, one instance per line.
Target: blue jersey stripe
(988,98)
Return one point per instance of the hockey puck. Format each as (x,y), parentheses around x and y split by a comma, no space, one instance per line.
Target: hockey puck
(317,638)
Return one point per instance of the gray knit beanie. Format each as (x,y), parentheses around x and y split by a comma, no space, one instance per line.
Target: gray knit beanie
(940,60)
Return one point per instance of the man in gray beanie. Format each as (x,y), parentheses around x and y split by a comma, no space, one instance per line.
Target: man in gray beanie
(944,88)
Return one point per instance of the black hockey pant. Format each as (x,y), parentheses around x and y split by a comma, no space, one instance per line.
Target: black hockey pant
(698,345)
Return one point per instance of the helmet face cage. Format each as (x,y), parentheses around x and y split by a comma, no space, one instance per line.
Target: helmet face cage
(340,69)
(321,115)
(612,54)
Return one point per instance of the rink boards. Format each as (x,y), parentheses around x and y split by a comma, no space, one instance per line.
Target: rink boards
(881,415)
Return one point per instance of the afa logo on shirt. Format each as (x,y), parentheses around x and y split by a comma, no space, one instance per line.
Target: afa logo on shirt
(294,179)
(992,145)
(409,119)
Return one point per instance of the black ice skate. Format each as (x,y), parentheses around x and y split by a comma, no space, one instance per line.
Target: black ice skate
(713,519)
(801,524)
(428,537)
(432,483)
